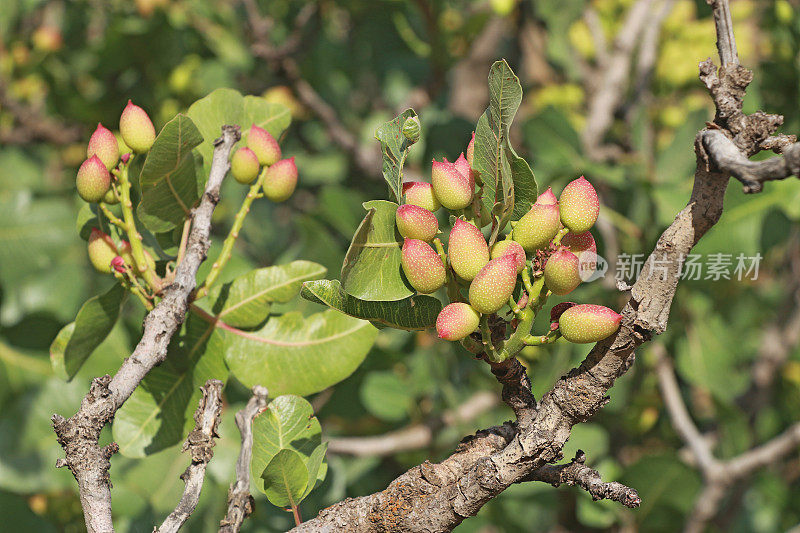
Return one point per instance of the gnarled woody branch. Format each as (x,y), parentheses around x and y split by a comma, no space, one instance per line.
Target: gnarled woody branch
(79,435)
(199,443)
(437,497)
(240,502)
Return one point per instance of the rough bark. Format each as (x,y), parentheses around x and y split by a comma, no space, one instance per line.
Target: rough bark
(79,435)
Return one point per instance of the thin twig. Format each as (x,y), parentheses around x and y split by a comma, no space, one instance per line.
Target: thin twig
(199,443)
(240,502)
(416,436)
(577,473)
(79,435)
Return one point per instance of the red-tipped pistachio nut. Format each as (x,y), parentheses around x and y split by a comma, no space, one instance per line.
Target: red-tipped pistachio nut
(456,321)
(420,193)
(588,323)
(422,266)
(280,180)
(136,128)
(467,250)
(464,169)
(579,205)
(547,197)
(101,251)
(471,151)
(104,145)
(493,285)
(118,264)
(537,227)
(244,165)
(264,145)
(512,248)
(414,222)
(93,180)
(562,272)
(452,189)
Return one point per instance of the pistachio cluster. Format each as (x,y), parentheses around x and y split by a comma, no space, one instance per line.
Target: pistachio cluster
(540,256)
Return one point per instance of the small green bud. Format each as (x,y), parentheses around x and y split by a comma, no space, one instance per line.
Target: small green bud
(512,248)
(281,180)
(244,166)
(579,205)
(467,249)
(136,128)
(414,222)
(110,198)
(588,323)
(456,321)
(493,285)
(264,145)
(537,227)
(411,129)
(562,272)
(421,194)
(93,181)
(104,145)
(422,266)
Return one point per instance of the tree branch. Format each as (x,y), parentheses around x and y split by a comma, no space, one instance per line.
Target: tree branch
(240,502)
(728,158)
(199,443)
(413,437)
(577,473)
(437,497)
(79,435)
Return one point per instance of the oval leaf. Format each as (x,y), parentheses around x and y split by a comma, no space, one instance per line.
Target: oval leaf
(227,106)
(245,302)
(168,179)
(287,423)
(414,313)
(76,341)
(285,479)
(296,355)
(491,158)
(371,269)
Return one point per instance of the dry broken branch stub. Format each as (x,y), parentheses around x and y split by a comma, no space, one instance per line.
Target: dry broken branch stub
(79,435)
(240,501)
(199,443)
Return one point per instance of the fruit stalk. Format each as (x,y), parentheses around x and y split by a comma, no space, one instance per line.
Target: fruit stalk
(539,340)
(486,336)
(135,239)
(233,234)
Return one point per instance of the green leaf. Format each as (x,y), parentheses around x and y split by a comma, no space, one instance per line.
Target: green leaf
(492,148)
(394,147)
(288,422)
(296,355)
(168,179)
(414,313)
(245,302)
(525,188)
(285,479)
(229,107)
(159,412)
(77,340)
(386,396)
(371,269)
(317,468)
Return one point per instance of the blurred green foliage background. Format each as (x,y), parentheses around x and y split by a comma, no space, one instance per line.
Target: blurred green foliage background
(66,65)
